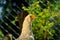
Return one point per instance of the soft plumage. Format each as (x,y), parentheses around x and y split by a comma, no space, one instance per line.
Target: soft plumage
(27,33)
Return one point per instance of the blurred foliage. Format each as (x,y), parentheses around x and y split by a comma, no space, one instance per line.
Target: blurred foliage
(16,19)
(46,11)
(43,25)
(2,36)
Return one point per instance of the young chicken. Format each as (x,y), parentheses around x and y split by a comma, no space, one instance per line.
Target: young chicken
(9,36)
(27,33)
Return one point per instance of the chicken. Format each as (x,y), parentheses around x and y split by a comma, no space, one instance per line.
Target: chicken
(27,33)
(9,36)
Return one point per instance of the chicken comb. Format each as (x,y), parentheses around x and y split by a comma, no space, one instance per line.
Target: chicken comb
(33,16)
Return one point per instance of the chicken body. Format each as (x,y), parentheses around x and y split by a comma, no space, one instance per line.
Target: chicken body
(27,33)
